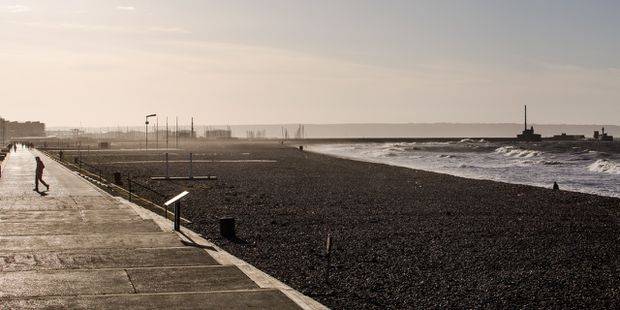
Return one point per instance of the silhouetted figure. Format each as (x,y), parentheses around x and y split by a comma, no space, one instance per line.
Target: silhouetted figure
(39,175)
(14,147)
(556,186)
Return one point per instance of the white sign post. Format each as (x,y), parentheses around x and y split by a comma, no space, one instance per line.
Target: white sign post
(177,209)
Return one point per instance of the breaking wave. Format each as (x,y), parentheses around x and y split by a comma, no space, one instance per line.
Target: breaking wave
(517,152)
(472,141)
(605,166)
(574,168)
(446,156)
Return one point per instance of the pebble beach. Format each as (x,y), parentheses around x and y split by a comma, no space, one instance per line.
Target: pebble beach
(401,238)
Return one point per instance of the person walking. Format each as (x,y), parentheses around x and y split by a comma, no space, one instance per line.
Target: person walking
(39,175)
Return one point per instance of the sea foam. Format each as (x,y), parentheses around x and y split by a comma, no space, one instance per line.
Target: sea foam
(605,166)
(517,152)
(468,140)
(575,169)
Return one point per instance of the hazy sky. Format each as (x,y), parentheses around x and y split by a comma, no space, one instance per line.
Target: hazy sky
(108,63)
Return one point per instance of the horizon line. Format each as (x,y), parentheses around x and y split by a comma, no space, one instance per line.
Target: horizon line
(333,124)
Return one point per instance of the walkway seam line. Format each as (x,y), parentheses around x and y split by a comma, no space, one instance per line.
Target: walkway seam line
(131,282)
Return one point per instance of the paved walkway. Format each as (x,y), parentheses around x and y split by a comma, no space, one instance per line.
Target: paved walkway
(78,247)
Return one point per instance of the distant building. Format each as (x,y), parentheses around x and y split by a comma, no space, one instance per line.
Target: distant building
(186,134)
(10,130)
(603,136)
(528,134)
(565,137)
(218,134)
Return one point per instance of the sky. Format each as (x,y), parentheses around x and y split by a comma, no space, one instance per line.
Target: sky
(109,63)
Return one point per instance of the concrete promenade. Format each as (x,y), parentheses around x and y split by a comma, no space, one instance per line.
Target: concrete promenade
(79,248)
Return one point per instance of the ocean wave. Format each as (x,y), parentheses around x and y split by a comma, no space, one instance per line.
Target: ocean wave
(445,156)
(526,162)
(605,166)
(382,153)
(602,155)
(375,153)
(398,147)
(466,166)
(517,152)
(578,150)
(468,140)
(551,162)
(504,149)
(580,158)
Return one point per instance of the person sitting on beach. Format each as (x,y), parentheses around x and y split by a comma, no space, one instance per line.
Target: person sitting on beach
(556,186)
(39,175)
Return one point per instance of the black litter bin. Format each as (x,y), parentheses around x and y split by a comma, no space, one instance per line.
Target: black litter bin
(117,178)
(227,227)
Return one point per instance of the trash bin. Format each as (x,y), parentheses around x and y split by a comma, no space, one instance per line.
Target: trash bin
(117,178)
(227,227)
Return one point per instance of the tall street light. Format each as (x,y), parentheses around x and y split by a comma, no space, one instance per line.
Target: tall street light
(146,132)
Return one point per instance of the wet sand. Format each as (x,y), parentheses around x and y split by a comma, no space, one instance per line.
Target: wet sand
(402,238)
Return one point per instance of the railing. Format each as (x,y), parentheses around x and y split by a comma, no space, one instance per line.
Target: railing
(132,184)
(92,168)
(77,165)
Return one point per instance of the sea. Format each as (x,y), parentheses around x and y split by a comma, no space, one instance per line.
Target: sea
(581,167)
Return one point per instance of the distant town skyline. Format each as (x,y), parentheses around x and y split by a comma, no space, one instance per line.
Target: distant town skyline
(100,63)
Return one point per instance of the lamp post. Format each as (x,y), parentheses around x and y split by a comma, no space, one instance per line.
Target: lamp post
(146,132)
